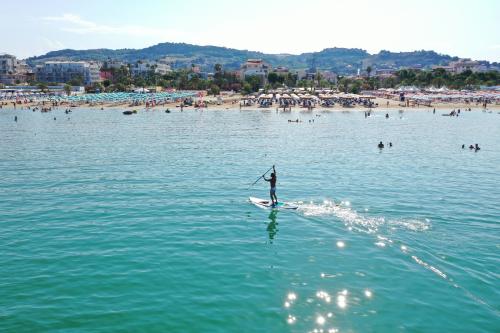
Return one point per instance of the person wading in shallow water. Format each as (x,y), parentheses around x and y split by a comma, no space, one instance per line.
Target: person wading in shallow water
(272,192)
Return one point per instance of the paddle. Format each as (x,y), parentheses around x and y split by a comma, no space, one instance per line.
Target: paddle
(255,182)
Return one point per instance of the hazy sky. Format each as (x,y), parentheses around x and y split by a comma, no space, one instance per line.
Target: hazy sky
(462,28)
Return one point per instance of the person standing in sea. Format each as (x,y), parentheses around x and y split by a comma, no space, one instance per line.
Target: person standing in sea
(272,192)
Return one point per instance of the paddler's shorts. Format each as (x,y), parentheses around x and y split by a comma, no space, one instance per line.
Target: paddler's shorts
(273,190)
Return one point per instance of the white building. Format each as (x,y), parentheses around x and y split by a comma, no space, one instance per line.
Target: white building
(12,70)
(95,72)
(463,65)
(163,67)
(385,72)
(255,67)
(116,64)
(329,76)
(141,68)
(281,70)
(301,74)
(65,71)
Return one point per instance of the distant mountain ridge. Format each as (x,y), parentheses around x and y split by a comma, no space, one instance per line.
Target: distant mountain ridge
(340,60)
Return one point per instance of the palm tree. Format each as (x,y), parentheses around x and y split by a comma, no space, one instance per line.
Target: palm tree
(43,86)
(318,78)
(67,89)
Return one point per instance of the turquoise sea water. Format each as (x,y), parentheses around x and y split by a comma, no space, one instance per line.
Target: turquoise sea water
(113,223)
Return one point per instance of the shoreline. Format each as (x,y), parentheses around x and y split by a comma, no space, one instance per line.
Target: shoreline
(392,106)
(234,102)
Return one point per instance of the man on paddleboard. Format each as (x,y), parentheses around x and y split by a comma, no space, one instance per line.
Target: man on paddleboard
(272,181)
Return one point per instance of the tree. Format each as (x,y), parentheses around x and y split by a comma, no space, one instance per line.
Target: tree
(438,82)
(471,81)
(163,83)
(304,83)
(247,88)
(67,89)
(139,81)
(355,88)
(267,87)
(120,87)
(389,82)
(318,78)
(76,80)
(218,75)
(121,76)
(254,81)
(97,87)
(43,86)
(272,78)
(214,90)
(323,83)
(291,79)
(369,70)
(343,84)
(194,82)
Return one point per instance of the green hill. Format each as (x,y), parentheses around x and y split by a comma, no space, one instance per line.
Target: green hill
(340,60)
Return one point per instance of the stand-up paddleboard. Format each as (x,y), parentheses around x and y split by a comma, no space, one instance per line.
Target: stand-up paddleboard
(262,203)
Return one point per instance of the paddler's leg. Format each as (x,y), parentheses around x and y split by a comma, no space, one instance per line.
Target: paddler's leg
(273,196)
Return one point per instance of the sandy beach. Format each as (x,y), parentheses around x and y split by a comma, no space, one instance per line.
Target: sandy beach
(233,104)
